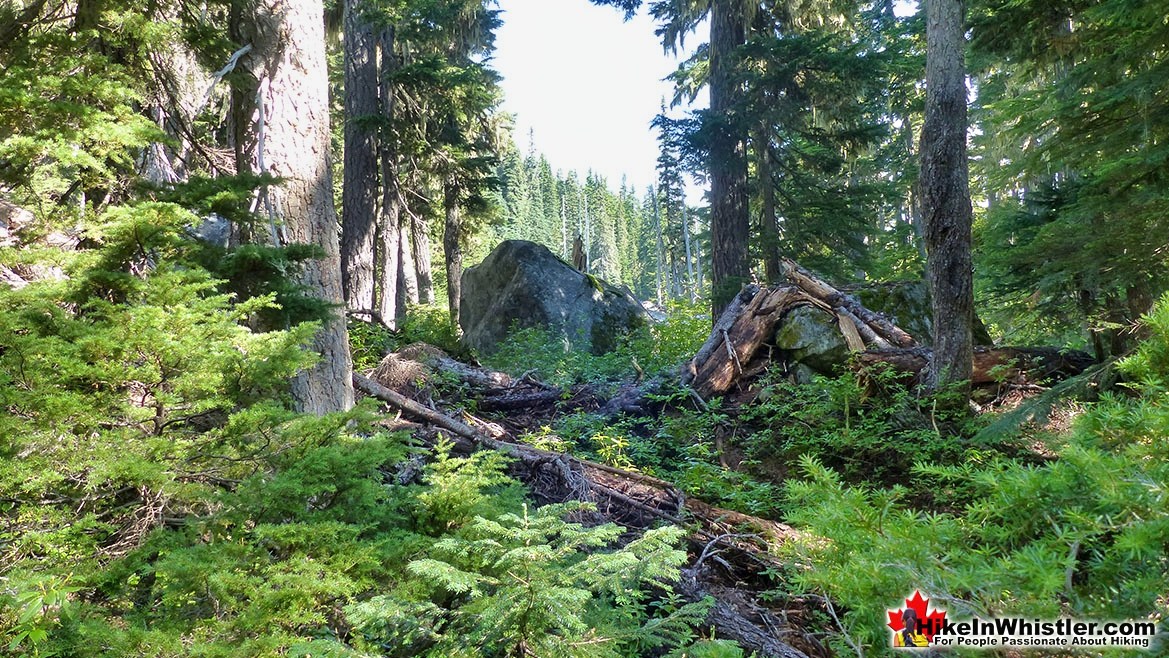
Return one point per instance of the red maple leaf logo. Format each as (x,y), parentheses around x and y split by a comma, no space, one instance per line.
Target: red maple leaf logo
(930,622)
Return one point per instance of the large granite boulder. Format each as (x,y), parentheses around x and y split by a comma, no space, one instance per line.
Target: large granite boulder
(522,284)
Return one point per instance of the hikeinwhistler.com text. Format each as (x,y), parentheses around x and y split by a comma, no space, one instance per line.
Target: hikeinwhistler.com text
(1017,632)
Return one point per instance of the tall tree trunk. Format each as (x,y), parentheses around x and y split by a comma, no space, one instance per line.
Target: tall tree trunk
(452,249)
(945,188)
(420,246)
(661,247)
(388,253)
(689,256)
(563,229)
(407,277)
(282,128)
(391,242)
(698,260)
(729,218)
(360,176)
(389,238)
(915,212)
(588,235)
(769,220)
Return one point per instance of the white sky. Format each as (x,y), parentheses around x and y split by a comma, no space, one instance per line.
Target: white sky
(587,82)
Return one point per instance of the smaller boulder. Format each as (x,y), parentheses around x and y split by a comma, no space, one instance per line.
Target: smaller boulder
(811,337)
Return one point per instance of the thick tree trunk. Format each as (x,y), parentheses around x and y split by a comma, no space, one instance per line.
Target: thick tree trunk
(282,128)
(360,183)
(389,237)
(452,249)
(945,191)
(729,219)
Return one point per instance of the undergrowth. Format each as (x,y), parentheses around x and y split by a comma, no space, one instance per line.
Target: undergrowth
(160,498)
(1084,534)
(645,352)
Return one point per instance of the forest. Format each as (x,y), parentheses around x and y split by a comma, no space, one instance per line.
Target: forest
(907,360)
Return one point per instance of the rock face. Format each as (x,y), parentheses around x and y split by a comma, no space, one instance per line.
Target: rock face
(522,284)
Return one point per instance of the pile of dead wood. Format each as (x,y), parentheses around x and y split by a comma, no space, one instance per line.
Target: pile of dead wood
(730,549)
(739,347)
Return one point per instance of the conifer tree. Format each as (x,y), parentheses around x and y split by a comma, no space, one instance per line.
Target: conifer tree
(946,195)
(281,117)
(359,188)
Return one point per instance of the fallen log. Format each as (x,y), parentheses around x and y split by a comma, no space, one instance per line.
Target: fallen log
(992,365)
(734,623)
(406,405)
(660,499)
(821,290)
(753,326)
(715,340)
(509,401)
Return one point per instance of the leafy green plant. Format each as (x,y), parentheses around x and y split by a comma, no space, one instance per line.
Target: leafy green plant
(872,430)
(430,323)
(39,606)
(369,342)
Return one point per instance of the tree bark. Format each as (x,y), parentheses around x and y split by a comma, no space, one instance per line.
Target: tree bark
(661,248)
(729,350)
(420,247)
(945,188)
(282,128)
(389,248)
(729,219)
(389,239)
(360,176)
(769,220)
(690,287)
(452,249)
(407,278)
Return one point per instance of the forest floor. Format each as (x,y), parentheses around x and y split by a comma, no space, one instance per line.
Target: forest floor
(698,447)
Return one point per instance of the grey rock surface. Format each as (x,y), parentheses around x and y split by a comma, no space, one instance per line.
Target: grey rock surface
(811,337)
(522,284)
